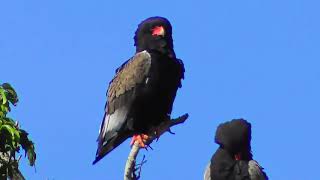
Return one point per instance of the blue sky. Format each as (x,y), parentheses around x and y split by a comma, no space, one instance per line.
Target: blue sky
(254,59)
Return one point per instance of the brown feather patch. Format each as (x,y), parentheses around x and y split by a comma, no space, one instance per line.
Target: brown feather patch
(132,73)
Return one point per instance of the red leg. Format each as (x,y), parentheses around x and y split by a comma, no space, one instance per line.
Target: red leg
(140,138)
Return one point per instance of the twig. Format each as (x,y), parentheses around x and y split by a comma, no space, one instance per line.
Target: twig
(163,127)
(139,168)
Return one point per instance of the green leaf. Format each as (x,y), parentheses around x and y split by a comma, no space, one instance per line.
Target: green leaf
(9,129)
(4,108)
(3,95)
(9,121)
(28,147)
(16,136)
(12,138)
(31,155)
(12,95)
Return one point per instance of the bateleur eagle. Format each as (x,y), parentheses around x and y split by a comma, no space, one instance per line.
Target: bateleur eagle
(233,159)
(141,94)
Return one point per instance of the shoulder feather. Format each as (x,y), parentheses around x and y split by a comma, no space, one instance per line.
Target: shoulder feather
(133,72)
(256,171)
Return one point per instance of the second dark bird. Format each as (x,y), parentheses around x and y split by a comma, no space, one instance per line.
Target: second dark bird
(233,159)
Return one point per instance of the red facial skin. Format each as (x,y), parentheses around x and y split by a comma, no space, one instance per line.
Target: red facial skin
(237,157)
(158,31)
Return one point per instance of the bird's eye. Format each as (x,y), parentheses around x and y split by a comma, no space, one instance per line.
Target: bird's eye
(158,31)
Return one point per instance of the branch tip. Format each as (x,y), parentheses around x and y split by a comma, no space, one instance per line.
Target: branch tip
(129,172)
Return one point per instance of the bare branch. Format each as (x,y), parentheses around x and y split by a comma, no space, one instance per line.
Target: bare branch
(163,127)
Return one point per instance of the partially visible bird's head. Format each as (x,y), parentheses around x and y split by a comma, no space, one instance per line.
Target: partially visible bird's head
(235,137)
(154,33)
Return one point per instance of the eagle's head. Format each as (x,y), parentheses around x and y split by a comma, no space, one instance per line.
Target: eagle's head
(154,33)
(235,137)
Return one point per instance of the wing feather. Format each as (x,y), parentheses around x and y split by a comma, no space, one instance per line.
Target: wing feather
(129,75)
(256,171)
(207,172)
(119,99)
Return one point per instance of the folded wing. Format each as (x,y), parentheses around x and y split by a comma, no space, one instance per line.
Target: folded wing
(256,171)
(120,96)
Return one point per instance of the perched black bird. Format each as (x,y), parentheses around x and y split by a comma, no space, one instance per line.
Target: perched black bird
(141,94)
(233,159)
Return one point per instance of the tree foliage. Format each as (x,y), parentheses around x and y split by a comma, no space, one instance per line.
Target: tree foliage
(12,137)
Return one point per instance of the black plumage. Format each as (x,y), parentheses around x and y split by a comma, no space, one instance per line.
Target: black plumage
(141,94)
(233,159)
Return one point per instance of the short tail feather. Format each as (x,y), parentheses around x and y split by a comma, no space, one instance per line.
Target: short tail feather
(105,149)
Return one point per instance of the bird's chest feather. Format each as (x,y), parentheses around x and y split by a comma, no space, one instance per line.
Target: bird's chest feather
(163,74)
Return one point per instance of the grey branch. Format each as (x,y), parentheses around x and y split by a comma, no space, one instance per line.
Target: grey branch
(129,172)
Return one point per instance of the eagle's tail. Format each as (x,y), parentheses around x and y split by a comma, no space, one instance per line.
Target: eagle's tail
(110,145)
